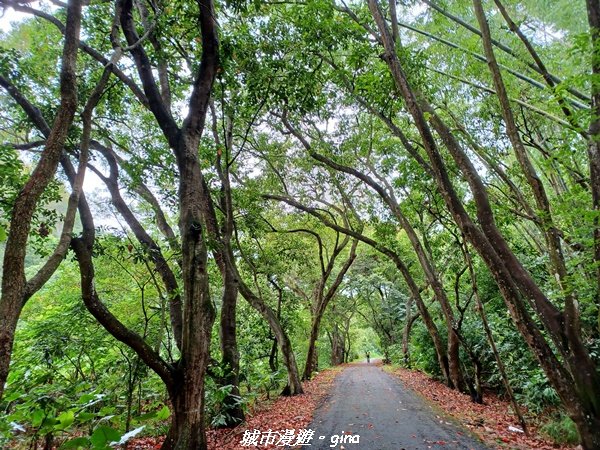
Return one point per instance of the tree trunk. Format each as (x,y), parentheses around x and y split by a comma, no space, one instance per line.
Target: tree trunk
(187,417)
(410,320)
(289,360)
(198,310)
(274,348)
(449,359)
(593,10)
(322,300)
(490,338)
(294,386)
(230,359)
(588,427)
(10,311)
(412,285)
(273,356)
(337,346)
(431,275)
(311,354)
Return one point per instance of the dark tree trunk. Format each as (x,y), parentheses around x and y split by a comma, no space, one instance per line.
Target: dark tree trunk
(593,9)
(274,348)
(230,359)
(311,354)
(337,346)
(273,356)
(410,320)
(198,315)
(289,360)
(490,338)
(322,300)
(187,413)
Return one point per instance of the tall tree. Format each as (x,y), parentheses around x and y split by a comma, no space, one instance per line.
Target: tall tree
(574,375)
(16,289)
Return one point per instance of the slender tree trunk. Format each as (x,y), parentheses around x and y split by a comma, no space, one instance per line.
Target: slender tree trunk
(273,356)
(274,348)
(490,338)
(10,311)
(402,268)
(451,366)
(453,346)
(154,251)
(593,9)
(322,300)
(311,354)
(230,359)
(289,360)
(410,320)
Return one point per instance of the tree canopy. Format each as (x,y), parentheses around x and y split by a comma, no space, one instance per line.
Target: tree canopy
(202,202)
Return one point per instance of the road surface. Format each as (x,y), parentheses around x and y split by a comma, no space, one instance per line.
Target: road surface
(367,402)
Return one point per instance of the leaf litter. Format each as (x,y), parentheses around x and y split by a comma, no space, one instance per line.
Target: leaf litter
(493,422)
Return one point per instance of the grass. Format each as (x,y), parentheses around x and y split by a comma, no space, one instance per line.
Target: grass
(561,430)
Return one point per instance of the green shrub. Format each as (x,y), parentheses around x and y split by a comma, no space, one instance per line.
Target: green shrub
(561,430)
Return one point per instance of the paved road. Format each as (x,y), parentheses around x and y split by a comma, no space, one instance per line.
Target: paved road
(368,402)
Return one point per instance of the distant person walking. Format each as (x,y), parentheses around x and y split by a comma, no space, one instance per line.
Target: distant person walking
(368,357)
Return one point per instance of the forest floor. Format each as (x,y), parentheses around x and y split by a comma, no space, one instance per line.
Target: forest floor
(490,421)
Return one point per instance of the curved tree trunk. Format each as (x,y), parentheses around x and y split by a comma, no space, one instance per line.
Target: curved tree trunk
(405,272)
(450,361)
(410,320)
(289,360)
(322,301)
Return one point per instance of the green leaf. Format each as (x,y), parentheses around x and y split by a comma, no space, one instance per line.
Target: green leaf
(103,436)
(147,416)
(163,414)
(37,417)
(65,420)
(15,395)
(80,442)
(85,398)
(85,417)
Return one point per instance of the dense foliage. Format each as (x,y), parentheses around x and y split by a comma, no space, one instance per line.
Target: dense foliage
(203,203)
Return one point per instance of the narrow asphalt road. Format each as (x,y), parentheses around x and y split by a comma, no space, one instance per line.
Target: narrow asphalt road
(374,405)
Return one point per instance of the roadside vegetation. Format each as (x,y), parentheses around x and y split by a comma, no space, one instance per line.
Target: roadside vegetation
(203,204)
